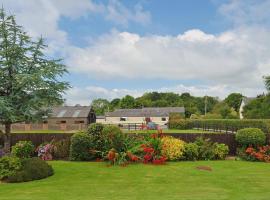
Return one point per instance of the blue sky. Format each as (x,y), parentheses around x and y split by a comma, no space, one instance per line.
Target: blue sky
(113,47)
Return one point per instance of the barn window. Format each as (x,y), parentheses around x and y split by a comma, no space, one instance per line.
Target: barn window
(123,119)
(79,122)
(163,119)
(61,122)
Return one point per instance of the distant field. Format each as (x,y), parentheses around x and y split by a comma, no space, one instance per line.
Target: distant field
(170,131)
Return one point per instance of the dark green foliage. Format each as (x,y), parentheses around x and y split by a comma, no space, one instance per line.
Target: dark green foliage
(30,82)
(221,151)
(250,136)
(31,169)
(62,149)
(229,124)
(267,82)
(95,129)
(114,138)
(191,151)
(206,149)
(234,100)
(225,111)
(23,149)
(81,144)
(165,99)
(100,106)
(241,153)
(181,124)
(258,108)
(9,165)
(98,139)
(128,102)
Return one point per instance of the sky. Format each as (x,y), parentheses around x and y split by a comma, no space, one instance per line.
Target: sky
(113,48)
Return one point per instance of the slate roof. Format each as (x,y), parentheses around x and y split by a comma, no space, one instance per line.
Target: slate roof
(146,112)
(70,111)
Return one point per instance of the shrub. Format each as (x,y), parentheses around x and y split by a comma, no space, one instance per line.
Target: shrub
(206,149)
(9,165)
(114,138)
(62,148)
(250,136)
(45,151)
(81,143)
(95,129)
(221,151)
(241,153)
(31,169)
(179,124)
(95,132)
(23,149)
(172,148)
(152,150)
(258,154)
(191,151)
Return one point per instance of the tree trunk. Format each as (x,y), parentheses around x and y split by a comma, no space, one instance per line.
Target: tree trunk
(7,137)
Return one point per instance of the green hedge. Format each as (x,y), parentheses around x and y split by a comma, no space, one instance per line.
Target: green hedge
(221,124)
(250,136)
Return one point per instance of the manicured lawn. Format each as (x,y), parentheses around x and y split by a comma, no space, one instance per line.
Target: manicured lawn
(232,180)
(44,131)
(139,131)
(170,131)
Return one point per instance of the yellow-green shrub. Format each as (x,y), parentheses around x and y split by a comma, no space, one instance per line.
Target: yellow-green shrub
(172,148)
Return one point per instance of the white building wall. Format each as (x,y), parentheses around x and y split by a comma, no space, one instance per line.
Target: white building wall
(241,110)
(139,120)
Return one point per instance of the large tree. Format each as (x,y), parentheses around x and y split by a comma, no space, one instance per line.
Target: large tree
(100,106)
(29,80)
(234,100)
(267,82)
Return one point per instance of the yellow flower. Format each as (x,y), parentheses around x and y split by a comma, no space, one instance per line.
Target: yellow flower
(172,148)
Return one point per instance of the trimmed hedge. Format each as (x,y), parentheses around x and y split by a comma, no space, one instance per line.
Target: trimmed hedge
(32,169)
(15,170)
(227,125)
(81,143)
(180,124)
(250,136)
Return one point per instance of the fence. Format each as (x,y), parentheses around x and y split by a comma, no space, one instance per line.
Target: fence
(132,126)
(221,125)
(39,138)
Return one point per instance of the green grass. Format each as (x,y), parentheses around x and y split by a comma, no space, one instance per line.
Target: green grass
(138,131)
(170,131)
(228,180)
(44,131)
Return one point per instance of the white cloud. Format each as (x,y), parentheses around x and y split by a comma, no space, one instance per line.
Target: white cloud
(246,12)
(84,96)
(120,14)
(234,60)
(41,17)
(236,57)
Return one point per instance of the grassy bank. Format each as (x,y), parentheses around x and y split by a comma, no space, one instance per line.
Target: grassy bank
(232,180)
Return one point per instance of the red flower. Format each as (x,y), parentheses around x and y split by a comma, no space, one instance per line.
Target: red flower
(111,155)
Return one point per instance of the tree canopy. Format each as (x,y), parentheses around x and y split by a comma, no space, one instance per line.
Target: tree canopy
(29,80)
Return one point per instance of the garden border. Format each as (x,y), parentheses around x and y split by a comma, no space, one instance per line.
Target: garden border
(39,138)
